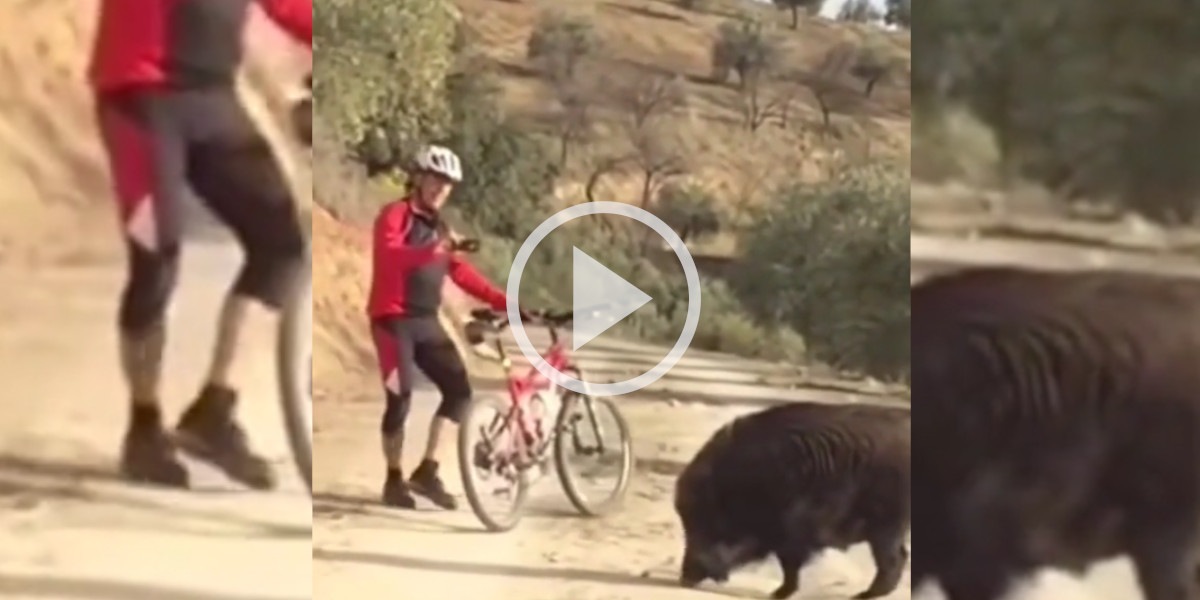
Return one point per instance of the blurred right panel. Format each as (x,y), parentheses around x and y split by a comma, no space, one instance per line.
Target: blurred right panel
(1056,299)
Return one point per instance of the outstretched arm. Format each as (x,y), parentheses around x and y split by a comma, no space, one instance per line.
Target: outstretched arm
(294,16)
(467,277)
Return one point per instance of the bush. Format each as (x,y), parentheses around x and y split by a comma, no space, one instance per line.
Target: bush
(832,262)
(726,326)
(509,171)
(690,210)
(379,73)
(1069,110)
(560,43)
(746,47)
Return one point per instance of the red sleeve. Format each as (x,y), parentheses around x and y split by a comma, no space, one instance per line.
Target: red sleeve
(294,16)
(465,276)
(391,250)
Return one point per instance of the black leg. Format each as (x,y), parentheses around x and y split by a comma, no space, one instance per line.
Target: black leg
(791,561)
(890,556)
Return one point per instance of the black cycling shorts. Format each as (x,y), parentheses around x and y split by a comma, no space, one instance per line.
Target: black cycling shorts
(161,143)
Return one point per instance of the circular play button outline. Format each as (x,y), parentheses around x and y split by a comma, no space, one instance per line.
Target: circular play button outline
(563,217)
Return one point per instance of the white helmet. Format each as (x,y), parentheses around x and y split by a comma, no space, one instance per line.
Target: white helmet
(440,160)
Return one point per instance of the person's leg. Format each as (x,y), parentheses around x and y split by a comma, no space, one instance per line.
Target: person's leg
(146,160)
(233,170)
(394,346)
(439,360)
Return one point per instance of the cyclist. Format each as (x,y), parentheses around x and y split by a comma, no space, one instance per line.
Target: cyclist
(413,253)
(163,76)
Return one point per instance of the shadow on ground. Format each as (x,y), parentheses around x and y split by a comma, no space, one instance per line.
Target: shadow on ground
(424,564)
(26,482)
(645,580)
(53,586)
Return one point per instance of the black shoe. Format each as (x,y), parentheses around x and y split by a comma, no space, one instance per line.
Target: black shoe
(396,493)
(425,482)
(208,432)
(148,456)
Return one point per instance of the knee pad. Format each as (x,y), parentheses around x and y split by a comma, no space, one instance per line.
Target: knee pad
(151,282)
(395,413)
(273,260)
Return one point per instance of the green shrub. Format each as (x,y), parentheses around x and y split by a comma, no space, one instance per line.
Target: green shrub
(832,261)
(379,69)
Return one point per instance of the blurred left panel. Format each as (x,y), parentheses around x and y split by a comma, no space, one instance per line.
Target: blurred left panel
(154,190)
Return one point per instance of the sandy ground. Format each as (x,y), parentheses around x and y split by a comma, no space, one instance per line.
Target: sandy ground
(68,529)
(554,554)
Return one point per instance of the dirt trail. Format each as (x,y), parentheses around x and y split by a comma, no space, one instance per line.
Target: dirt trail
(68,530)
(359,547)
(553,555)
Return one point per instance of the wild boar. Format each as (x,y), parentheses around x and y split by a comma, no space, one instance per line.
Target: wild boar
(793,480)
(1056,422)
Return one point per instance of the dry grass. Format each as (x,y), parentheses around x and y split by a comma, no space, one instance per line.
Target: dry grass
(657,35)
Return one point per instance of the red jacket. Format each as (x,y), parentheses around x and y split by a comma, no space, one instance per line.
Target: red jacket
(411,265)
(181,43)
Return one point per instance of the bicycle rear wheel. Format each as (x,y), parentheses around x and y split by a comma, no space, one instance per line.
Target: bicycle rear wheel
(294,355)
(583,431)
(485,458)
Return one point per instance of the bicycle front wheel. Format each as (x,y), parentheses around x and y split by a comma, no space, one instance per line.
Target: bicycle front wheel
(294,356)
(487,461)
(593,432)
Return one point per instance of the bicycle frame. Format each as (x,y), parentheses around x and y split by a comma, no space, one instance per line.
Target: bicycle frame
(521,389)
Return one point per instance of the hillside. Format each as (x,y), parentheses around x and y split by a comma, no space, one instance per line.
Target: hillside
(641,41)
(657,36)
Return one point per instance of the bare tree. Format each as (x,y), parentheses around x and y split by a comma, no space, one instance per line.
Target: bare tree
(649,94)
(873,67)
(831,85)
(750,173)
(573,123)
(658,157)
(769,97)
(859,11)
(810,7)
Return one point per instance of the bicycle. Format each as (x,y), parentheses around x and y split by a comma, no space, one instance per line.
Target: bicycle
(516,440)
(294,344)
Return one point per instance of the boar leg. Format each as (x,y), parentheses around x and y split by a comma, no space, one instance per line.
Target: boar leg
(890,557)
(974,580)
(1165,562)
(791,560)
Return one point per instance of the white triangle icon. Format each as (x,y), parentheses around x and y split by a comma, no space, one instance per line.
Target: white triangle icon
(599,298)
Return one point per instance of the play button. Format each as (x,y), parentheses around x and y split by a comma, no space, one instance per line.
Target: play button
(599,298)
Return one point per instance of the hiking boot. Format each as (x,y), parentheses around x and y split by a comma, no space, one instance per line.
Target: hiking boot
(148,456)
(396,493)
(425,482)
(208,432)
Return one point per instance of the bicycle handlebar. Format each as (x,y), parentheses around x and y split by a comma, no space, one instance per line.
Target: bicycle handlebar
(484,319)
(499,320)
